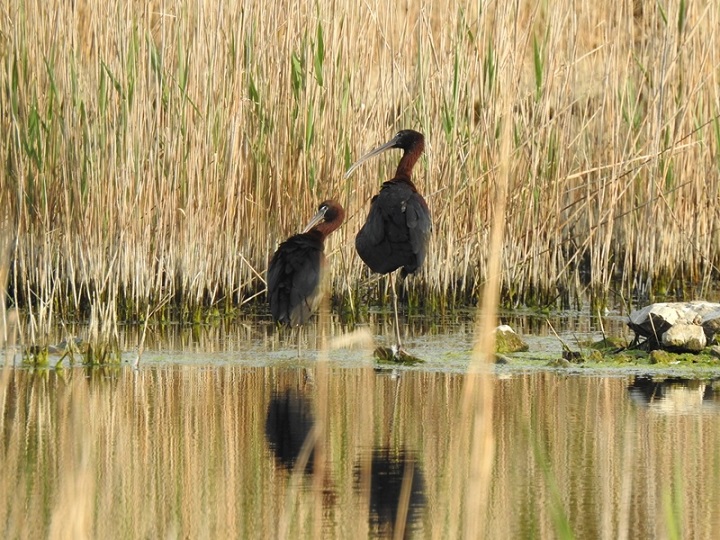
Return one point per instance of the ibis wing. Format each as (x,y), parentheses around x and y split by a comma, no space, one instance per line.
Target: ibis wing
(373,231)
(419,226)
(396,231)
(305,293)
(293,279)
(277,288)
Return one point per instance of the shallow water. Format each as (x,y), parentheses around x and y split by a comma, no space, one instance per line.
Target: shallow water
(444,343)
(217,451)
(211,436)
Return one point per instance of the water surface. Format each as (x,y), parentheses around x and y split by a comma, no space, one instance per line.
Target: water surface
(223,451)
(223,431)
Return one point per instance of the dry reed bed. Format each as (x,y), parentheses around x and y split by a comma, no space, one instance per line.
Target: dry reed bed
(184,448)
(156,154)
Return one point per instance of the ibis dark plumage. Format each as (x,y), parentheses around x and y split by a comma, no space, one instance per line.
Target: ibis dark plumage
(295,270)
(397,229)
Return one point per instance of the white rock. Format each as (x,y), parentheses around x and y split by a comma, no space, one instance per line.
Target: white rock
(656,319)
(688,337)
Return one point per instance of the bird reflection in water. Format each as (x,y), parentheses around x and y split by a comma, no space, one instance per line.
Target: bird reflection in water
(289,429)
(288,423)
(396,491)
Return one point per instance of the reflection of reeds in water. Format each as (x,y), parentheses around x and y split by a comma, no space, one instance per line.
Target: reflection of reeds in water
(183,452)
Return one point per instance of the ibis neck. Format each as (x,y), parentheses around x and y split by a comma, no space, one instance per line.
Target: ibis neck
(410,157)
(326,227)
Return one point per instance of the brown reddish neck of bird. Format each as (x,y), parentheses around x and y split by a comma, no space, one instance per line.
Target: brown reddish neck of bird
(414,145)
(329,217)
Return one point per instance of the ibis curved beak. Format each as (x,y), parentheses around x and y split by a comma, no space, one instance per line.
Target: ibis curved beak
(372,153)
(317,218)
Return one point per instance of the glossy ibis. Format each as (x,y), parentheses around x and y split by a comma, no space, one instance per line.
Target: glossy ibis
(397,229)
(294,274)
